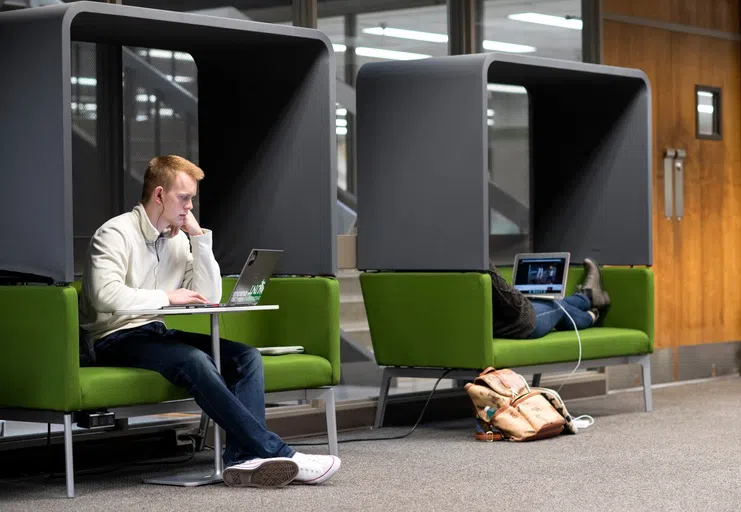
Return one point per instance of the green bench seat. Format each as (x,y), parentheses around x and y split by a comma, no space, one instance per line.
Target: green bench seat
(423,321)
(41,378)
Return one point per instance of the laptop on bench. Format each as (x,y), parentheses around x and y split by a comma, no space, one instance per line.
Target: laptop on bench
(541,275)
(251,283)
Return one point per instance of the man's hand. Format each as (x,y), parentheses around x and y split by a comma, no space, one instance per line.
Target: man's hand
(184,296)
(191,226)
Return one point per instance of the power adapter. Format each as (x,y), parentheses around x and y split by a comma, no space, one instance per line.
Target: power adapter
(96,419)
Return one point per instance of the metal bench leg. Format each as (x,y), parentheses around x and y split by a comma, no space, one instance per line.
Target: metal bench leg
(646,374)
(536,380)
(383,396)
(331,413)
(203,431)
(69,469)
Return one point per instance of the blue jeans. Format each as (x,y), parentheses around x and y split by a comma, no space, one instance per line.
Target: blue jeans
(235,401)
(549,316)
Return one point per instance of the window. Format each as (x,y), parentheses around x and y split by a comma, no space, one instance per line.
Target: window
(708,112)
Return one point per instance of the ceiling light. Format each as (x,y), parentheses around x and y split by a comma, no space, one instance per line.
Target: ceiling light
(489,112)
(341,122)
(498,46)
(705,109)
(407,34)
(167,54)
(545,19)
(507,89)
(706,94)
(339,48)
(90,107)
(340,130)
(494,46)
(143,98)
(388,54)
(341,111)
(181,79)
(83,80)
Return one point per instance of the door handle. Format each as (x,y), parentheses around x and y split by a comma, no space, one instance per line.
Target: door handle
(669,155)
(679,182)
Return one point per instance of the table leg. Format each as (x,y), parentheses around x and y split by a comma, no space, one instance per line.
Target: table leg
(197,478)
(216,348)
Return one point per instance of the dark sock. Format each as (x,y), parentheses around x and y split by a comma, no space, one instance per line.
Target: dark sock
(595,311)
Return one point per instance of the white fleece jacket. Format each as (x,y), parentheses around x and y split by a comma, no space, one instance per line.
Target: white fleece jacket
(130,265)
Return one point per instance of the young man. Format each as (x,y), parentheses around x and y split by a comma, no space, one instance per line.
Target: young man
(517,317)
(143,259)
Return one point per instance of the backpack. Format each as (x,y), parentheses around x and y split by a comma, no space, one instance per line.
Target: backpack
(507,408)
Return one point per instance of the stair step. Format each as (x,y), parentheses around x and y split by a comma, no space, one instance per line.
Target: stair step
(360,333)
(349,282)
(352,309)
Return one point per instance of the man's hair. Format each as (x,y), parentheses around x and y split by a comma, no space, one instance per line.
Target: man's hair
(162,170)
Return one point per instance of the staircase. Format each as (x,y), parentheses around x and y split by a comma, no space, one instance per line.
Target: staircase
(359,368)
(352,309)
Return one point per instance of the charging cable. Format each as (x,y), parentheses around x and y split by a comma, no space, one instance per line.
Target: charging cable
(402,436)
(578,338)
(583,421)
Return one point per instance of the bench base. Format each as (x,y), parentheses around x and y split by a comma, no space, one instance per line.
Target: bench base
(460,374)
(325,394)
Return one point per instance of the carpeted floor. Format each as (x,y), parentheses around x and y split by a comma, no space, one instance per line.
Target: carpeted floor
(685,456)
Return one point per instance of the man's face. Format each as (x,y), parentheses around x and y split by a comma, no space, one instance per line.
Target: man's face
(178,201)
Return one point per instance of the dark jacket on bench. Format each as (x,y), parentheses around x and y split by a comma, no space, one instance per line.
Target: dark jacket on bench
(514,316)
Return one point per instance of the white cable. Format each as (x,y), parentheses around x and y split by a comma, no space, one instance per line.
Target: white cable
(578,339)
(585,420)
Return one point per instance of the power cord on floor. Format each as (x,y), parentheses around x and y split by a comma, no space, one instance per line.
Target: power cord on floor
(116,467)
(583,421)
(361,439)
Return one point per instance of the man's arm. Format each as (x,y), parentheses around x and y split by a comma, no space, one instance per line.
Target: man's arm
(106,280)
(202,272)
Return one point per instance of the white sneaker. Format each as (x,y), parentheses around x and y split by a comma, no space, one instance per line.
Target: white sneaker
(315,469)
(273,472)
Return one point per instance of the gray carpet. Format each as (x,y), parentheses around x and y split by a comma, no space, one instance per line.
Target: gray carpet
(683,456)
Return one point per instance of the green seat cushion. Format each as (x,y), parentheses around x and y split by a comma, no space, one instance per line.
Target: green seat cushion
(115,387)
(296,371)
(560,346)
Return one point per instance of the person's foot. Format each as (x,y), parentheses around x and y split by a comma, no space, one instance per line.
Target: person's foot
(315,469)
(592,285)
(594,313)
(273,472)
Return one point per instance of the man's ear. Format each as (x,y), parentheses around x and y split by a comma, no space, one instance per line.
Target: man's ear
(158,194)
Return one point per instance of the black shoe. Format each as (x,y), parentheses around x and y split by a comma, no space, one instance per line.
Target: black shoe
(592,285)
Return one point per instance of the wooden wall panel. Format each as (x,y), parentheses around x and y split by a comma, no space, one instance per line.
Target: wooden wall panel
(723,15)
(649,49)
(697,260)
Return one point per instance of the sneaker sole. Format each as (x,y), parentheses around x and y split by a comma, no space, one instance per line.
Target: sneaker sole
(275,473)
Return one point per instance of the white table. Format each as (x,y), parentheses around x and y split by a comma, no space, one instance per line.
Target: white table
(193,479)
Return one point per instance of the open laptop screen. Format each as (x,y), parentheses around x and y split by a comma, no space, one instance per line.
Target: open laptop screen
(536,274)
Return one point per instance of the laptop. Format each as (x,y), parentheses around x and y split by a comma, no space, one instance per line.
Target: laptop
(541,275)
(251,283)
